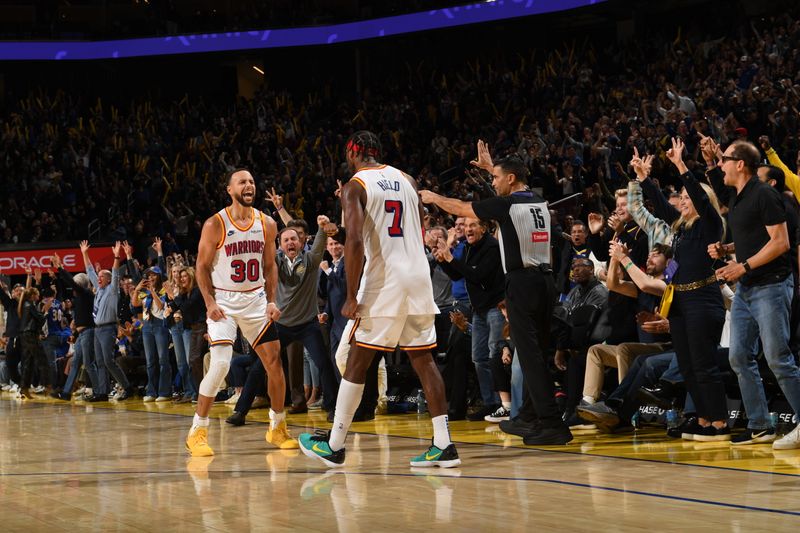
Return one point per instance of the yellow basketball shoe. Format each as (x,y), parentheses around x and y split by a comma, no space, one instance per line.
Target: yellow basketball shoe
(197,443)
(281,438)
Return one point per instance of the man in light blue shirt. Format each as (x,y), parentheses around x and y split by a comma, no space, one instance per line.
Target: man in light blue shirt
(104,312)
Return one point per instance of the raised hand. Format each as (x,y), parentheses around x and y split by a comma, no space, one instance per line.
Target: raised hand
(442,252)
(84,246)
(338,192)
(617,250)
(276,199)
(451,237)
(117,249)
(157,246)
(55,260)
(641,166)
(37,275)
(128,249)
(636,161)
(431,240)
(764,142)
(647,165)
(710,150)
(595,222)
(484,159)
(615,223)
(331,229)
(675,154)
(322,221)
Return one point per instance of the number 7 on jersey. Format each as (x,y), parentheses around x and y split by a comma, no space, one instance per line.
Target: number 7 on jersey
(396,208)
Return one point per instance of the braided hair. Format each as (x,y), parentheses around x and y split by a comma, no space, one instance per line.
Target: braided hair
(365,144)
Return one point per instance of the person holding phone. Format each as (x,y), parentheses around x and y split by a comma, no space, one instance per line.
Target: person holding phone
(151,295)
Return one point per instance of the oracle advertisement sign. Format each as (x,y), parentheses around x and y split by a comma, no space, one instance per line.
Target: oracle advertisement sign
(14,262)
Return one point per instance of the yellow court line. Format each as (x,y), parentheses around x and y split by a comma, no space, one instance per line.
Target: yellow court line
(645,445)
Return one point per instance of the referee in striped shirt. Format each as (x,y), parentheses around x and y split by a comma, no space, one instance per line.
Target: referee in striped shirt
(525,237)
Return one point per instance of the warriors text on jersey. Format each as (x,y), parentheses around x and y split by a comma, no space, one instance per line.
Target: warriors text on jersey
(238,265)
(396,279)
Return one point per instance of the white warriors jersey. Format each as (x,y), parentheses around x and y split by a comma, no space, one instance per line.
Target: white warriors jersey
(238,264)
(396,279)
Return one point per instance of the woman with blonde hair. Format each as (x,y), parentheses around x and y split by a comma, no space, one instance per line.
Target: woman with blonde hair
(190,304)
(696,314)
(174,321)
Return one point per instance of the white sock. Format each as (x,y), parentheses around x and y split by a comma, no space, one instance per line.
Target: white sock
(346,405)
(507,405)
(589,400)
(276,418)
(199,422)
(441,433)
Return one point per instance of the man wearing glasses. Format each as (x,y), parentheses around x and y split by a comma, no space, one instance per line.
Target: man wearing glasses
(761,309)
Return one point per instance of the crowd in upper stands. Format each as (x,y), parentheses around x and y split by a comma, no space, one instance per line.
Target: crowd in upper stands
(606,123)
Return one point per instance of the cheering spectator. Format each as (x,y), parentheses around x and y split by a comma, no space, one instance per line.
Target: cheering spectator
(150,293)
(106,303)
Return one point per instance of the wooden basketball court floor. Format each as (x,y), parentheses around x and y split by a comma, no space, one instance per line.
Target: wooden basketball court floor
(122,467)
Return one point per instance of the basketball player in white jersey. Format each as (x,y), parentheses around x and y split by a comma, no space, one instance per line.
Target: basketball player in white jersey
(237,276)
(391,305)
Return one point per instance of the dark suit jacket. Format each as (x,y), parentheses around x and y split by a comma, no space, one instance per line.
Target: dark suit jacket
(336,289)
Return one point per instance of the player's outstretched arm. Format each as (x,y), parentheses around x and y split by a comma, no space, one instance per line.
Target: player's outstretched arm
(450,205)
(211,236)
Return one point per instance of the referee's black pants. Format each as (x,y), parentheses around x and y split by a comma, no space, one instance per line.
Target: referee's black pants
(530,299)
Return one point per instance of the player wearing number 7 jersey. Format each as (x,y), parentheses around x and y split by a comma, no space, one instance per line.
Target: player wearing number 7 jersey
(392,304)
(237,276)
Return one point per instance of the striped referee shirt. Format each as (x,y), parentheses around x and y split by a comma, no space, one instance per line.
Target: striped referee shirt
(524,223)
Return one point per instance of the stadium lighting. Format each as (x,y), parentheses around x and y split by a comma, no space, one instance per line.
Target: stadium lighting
(258,70)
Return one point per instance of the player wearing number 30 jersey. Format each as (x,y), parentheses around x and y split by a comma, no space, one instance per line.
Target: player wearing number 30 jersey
(237,276)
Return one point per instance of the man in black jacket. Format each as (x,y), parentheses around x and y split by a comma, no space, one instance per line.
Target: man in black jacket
(483,272)
(10,303)
(333,283)
(83,300)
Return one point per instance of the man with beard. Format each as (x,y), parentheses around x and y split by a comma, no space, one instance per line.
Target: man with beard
(238,277)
